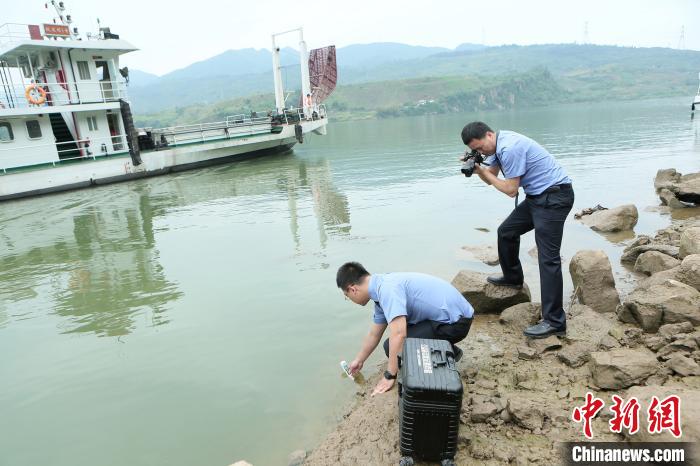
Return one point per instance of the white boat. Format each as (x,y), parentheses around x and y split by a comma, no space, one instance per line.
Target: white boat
(66,121)
(696,101)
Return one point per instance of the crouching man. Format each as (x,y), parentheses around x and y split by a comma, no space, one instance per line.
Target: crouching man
(412,305)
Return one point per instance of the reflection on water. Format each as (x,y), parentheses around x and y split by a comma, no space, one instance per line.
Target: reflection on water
(94,264)
(92,255)
(682,214)
(618,236)
(330,206)
(113,275)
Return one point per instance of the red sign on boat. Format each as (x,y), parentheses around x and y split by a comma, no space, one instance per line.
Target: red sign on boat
(56,30)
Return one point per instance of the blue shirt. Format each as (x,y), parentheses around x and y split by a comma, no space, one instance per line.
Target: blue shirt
(518,155)
(417,296)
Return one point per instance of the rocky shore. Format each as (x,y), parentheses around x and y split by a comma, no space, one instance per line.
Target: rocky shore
(520,394)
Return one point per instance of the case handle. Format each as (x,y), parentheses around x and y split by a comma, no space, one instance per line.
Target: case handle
(444,361)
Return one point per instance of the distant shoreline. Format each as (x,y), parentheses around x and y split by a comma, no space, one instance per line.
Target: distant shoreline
(376,81)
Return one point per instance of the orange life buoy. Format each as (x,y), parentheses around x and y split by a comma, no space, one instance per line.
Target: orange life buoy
(35,94)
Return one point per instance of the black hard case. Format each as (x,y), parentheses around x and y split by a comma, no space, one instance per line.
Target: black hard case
(430,400)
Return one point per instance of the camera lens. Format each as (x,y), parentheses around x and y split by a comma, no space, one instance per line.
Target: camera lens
(468,168)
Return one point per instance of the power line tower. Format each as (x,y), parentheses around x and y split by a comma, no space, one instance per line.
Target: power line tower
(585,33)
(681,40)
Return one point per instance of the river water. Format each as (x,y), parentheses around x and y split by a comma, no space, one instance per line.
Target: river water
(194,319)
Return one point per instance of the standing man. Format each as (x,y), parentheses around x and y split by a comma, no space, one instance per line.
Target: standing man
(412,305)
(309,107)
(548,200)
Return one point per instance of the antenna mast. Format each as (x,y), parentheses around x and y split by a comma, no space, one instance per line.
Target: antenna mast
(66,20)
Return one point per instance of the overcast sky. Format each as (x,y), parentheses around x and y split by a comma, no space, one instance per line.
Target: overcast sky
(172,34)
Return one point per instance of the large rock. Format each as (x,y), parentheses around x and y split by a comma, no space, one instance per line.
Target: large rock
(593,280)
(586,325)
(690,242)
(622,368)
(632,252)
(683,365)
(668,198)
(689,271)
(586,331)
(525,412)
(527,353)
(688,188)
(667,302)
(673,331)
(683,303)
(576,354)
(684,188)
(483,410)
(640,240)
(616,219)
(666,178)
(683,346)
(651,262)
(521,316)
(542,345)
(485,297)
(660,277)
(690,412)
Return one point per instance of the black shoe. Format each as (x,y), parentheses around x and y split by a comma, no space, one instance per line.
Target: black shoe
(501,281)
(543,330)
(458,352)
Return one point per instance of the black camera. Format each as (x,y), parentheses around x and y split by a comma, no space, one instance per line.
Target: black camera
(470,160)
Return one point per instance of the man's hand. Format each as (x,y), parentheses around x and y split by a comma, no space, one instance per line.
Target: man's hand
(355,366)
(383,386)
(479,170)
(489,175)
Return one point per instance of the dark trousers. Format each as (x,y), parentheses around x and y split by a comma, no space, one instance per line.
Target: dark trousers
(432,330)
(545,214)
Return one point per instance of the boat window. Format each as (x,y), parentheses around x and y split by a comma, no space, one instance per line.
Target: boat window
(6,132)
(92,123)
(83,70)
(33,129)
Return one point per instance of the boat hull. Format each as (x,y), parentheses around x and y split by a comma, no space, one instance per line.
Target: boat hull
(118,168)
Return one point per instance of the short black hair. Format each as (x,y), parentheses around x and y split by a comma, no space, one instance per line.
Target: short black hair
(474,130)
(350,273)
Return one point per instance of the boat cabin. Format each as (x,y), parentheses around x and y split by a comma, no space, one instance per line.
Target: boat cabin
(60,95)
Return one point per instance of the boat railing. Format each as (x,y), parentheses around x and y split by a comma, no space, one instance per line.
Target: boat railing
(295,115)
(232,126)
(76,149)
(14,32)
(61,93)
(246,118)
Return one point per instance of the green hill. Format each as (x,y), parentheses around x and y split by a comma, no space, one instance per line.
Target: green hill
(560,59)
(588,71)
(491,77)
(393,98)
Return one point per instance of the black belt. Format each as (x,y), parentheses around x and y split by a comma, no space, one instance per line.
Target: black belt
(552,189)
